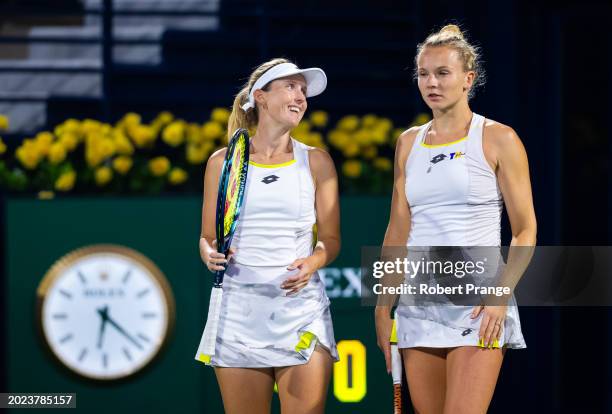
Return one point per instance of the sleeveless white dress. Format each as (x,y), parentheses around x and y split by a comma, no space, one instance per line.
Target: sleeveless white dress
(260,326)
(457,203)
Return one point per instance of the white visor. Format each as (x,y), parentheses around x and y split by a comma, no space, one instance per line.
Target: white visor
(316,81)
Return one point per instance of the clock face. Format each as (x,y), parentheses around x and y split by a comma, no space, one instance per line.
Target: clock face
(105,311)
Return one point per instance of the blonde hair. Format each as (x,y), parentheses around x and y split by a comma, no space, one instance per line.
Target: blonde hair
(238,118)
(452,36)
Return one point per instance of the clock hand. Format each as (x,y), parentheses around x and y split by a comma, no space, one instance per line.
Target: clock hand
(123,332)
(103,312)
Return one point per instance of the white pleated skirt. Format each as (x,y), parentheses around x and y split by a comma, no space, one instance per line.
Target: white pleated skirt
(260,326)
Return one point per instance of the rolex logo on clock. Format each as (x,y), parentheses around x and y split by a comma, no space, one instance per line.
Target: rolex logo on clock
(105,311)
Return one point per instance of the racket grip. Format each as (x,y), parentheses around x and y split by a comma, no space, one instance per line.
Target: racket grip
(209,338)
(396,364)
(218,279)
(396,373)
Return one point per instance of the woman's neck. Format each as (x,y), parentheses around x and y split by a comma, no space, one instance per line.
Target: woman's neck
(447,123)
(270,141)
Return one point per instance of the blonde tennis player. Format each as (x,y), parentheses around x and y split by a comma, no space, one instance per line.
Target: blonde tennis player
(452,177)
(275,323)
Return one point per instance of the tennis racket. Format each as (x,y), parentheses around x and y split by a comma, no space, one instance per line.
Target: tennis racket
(396,372)
(229,200)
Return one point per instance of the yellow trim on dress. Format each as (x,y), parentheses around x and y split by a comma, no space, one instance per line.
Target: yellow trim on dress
(495,344)
(283,164)
(443,145)
(204,358)
(305,341)
(393,338)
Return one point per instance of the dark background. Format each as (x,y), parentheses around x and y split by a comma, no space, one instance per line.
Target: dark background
(548,76)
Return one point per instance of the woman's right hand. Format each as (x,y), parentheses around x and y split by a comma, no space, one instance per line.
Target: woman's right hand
(384,325)
(214,260)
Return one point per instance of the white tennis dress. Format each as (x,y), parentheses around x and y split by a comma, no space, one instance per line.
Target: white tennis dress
(456,203)
(260,326)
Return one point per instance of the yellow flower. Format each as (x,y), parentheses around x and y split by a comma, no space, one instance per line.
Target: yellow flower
(141,134)
(211,130)
(68,140)
(57,153)
(348,123)
(123,145)
(43,141)
(369,120)
(28,154)
(177,176)
(93,155)
(72,125)
(174,134)
(220,115)
(301,136)
(421,119)
(92,137)
(319,118)
(4,122)
(90,125)
(107,147)
(383,164)
(122,164)
(65,182)
(378,136)
(2,146)
(103,175)
(338,138)
(195,154)
(303,126)
(384,124)
(130,119)
(194,133)
(106,129)
(316,140)
(159,166)
(164,118)
(369,152)
(363,136)
(351,150)
(352,168)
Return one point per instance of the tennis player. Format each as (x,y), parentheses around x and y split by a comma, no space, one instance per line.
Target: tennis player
(452,177)
(275,323)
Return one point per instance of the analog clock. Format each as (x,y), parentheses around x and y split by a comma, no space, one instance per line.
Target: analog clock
(105,311)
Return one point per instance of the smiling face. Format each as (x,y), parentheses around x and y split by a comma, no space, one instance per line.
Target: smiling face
(284,100)
(441,77)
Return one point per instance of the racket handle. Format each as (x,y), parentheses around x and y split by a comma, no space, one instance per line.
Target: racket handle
(396,373)
(218,279)
(209,338)
(396,365)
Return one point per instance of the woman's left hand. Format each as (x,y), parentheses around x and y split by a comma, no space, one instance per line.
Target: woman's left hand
(492,322)
(295,283)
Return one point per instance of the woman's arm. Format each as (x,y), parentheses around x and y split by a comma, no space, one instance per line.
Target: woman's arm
(505,151)
(208,251)
(512,169)
(395,236)
(399,218)
(327,208)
